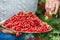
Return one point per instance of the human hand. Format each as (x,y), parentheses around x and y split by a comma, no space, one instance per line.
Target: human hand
(2,22)
(52,5)
(8,31)
(5,30)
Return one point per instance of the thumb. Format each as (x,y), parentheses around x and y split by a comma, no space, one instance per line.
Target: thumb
(2,22)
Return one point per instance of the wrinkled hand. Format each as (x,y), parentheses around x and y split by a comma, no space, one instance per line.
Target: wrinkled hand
(5,30)
(52,5)
(8,31)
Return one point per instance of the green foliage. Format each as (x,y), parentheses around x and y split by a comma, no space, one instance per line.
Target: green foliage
(54,22)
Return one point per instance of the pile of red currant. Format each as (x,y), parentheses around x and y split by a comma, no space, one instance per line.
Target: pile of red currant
(26,22)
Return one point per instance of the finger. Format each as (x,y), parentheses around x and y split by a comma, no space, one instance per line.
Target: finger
(5,31)
(8,31)
(57,6)
(2,22)
(53,6)
(46,5)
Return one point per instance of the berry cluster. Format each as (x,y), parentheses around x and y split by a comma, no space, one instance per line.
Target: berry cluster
(26,22)
(48,15)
